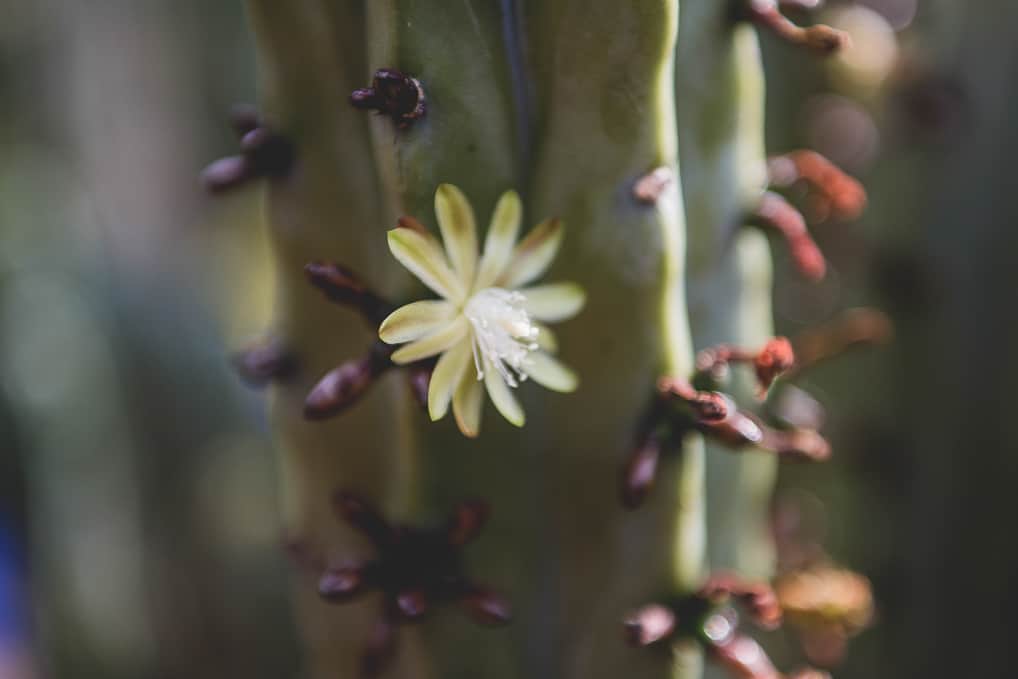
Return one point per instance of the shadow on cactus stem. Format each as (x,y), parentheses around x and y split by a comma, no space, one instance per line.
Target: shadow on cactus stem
(415,569)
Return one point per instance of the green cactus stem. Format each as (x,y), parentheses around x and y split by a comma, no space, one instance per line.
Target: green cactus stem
(578,106)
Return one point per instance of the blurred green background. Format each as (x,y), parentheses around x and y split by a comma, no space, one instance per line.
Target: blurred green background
(138,529)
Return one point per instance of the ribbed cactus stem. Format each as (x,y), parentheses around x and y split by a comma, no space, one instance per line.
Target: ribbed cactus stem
(721,131)
(311,55)
(570,102)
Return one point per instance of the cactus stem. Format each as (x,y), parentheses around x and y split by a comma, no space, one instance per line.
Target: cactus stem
(264,153)
(393,94)
(775,214)
(837,194)
(650,186)
(415,568)
(819,39)
(265,361)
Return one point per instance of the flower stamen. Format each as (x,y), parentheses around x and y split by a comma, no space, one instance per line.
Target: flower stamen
(503,334)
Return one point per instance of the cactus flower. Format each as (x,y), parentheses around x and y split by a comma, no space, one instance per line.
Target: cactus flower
(485,319)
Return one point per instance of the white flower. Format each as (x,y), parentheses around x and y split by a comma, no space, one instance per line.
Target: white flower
(486,327)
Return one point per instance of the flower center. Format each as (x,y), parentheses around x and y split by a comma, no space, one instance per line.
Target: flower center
(503,332)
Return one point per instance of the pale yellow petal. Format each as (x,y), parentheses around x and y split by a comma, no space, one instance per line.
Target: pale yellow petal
(466,404)
(550,373)
(533,255)
(502,396)
(423,257)
(459,231)
(415,320)
(554,302)
(546,339)
(445,378)
(502,233)
(435,343)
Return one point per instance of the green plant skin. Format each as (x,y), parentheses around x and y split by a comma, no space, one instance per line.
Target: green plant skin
(558,544)
(605,117)
(721,129)
(327,209)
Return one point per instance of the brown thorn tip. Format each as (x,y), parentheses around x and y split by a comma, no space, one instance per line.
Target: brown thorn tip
(340,388)
(649,625)
(799,444)
(777,214)
(264,362)
(775,359)
(412,604)
(838,193)
(650,186)
(825,40)
(226,173)
(711,406)
(819,39)
(341,584)
(487,608)
(759,599)
(707,406)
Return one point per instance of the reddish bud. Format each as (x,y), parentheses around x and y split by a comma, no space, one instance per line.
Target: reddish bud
(264,362)
(776,214)
(341,388)
(775,359)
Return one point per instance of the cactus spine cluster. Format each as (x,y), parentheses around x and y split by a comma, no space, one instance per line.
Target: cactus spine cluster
(585,108)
